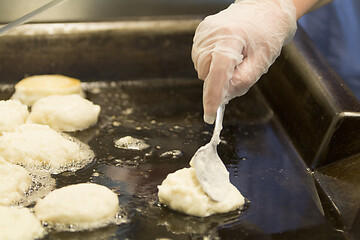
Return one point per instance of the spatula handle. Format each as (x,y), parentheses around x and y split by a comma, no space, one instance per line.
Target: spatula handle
(218,124)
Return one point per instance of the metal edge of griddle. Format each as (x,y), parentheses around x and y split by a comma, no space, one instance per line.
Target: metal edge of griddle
(317,109)
(322,118)
(85,50)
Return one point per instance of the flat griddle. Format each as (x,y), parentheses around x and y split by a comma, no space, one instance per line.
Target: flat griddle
(280,142)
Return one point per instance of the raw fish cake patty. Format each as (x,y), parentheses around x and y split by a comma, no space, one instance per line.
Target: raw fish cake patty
(84,206)
(38,146)
(181,191)
(65,113)
(14,182)
(19,224)
(12,114)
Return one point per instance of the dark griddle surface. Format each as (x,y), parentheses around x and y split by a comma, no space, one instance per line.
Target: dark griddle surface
(167,114)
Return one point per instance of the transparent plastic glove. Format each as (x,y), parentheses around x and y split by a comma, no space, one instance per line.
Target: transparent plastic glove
(235,47)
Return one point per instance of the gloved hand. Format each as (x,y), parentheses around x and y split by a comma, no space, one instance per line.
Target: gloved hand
(234,47)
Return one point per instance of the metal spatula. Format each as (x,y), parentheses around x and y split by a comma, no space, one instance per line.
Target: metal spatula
(210,170)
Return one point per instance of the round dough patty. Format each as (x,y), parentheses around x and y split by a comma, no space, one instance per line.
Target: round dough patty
(39,146)
(84,205)
(14,182)
(65,113)
(182,192)
(12,114)
(31,89)
(19,224)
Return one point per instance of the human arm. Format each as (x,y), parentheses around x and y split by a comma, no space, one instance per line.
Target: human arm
(305,6)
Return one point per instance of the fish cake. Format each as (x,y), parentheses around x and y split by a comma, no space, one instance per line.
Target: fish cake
(67,113)
(14,182)
(38,146)
(12,114)
(31,89)
(83,206)
(19,224)
(181,191)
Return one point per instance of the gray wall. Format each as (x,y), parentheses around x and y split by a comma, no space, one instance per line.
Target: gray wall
(94,10)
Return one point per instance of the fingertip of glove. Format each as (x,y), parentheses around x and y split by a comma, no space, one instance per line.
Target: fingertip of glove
(210,119)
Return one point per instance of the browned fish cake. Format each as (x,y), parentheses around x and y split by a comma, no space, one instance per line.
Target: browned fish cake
(30,89)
